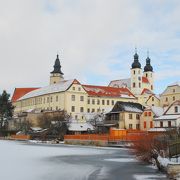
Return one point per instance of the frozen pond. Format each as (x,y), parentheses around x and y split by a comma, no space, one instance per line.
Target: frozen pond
(23,161)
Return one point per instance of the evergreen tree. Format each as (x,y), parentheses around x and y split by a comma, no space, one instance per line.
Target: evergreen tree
(6,107)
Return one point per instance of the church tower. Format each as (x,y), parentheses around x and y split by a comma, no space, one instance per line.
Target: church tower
(56,74)
(148,72)
(136,76)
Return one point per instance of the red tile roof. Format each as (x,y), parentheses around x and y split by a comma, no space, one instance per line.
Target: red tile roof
(145,80)
(19,92)
(146,91)
(106,91)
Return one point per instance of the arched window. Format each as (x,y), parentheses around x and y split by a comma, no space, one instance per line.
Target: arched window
(134,84)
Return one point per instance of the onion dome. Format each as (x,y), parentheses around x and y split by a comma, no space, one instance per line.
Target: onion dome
(136,63)
(57,66)
(148,66)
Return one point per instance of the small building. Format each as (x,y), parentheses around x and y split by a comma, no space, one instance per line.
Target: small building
(147,117)
(125,115)
(170,118)
(170,94)
(80,128)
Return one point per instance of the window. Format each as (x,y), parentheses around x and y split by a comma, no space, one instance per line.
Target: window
(145,114)
(73,109)
(134,72)
(139,84)
(88,101)
(166,99)
(56,107)
(146,75)
(98,101)
(81,98)
(47,99)
(88,110)
(79,89)
(74,88)
(130,126)
(73,97)
(137,116)
(134,84)
(107,102)
(137,126)
(152,104)
(175,109)
(81,109)
(152,98)
(151,124)
(51,99)
(44,100)
(174,91)
(149,113)
(112,102)
(173,98)
(130,116)
(56,98)
(93,110)
(151,87)
(76,116)
(144,124)
(139,72)
(169,124)
(103,102)
(93,101)
(161,124)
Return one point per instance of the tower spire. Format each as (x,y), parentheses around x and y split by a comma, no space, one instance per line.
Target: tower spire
(57,66)
(136,63)
(148,66)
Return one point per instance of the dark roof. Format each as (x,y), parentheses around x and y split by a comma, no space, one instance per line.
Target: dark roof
(57,66)
(136,63)
(128,107)
(148,66)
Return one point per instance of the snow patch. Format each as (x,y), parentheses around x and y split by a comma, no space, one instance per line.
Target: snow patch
(148,177)
(122,160)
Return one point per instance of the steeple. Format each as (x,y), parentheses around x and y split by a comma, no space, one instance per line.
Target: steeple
(56,74)
(148,66)
(136,63)
(57,66)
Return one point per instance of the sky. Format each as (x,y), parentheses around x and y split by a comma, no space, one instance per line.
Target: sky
(95,40)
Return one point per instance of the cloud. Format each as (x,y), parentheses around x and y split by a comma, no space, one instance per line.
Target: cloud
(90,37)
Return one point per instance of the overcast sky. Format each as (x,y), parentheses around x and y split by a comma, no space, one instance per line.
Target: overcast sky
(95,40)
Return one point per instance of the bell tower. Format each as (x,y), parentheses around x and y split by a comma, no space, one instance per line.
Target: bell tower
(56,74)
(136,75)
(148,72)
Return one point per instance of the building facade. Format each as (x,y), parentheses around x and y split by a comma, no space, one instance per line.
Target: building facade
(125,115)
(170,94)
(69,95)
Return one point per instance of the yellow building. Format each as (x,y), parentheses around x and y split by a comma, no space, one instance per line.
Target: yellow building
(148,115)
(170,95)
(125,115)
(69,95)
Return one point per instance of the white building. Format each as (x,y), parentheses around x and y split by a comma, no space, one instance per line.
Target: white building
(170,118)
